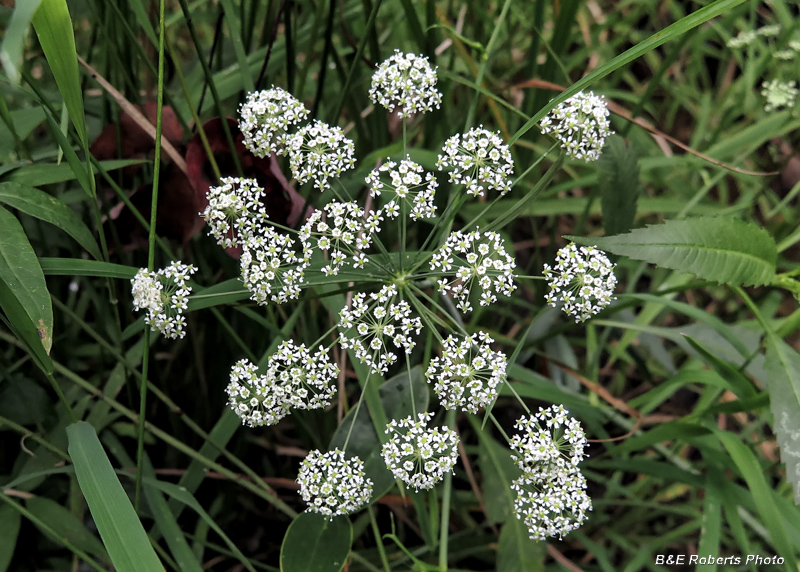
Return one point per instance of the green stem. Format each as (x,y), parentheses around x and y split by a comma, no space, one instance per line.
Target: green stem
(378,540)
(151,251)
(450,420)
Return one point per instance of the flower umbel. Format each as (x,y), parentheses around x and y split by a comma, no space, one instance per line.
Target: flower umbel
(373,323)
(234,208)
(165,295)
(480,161)
(257,399)
(419,456)
(551,441)
(468,373)
(266,119)
(580,124)
(478,257)
(779,94)
(407,83)
(319,152)
(332,484)
(406,185)
(583,280)
(271,269)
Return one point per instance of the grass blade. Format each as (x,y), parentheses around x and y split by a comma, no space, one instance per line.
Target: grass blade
(14,39)
(119,527)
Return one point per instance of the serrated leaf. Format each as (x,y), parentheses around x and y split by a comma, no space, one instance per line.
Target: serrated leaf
(619,184)
(315,544)
(516,552)
(722,250)
(21,273)
(119,527)
(783,371)
(45,207)
(395,396)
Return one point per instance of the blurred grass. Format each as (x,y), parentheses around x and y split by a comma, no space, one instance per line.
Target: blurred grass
(680,484)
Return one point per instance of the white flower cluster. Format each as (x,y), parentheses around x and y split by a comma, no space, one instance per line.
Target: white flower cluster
(480,161)
(332,484)
(779,94)
(346,232)
(407,184)
(165,295)
(234,208)
(271,268)
(478,257)
(266,119)
(742,39)
(583,280)
(374,323)
(295,378)
(405,82)
(551,493)
(319,152)
(468,373)
(581,125)
(419,456)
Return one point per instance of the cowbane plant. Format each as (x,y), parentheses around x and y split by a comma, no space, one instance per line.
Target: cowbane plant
(406,290)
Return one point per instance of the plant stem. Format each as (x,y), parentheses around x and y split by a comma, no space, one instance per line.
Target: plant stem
(450,421)
(378,540)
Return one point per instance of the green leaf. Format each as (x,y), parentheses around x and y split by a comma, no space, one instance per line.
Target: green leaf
(671,32)
(14,38)
(77,267)
(45,207)
(499,470)
(395,396)
(751,471)
(315,544)
(723,250)
(783,371)
(24,121)
(53,25)
(619,184)
(516,552)
(66,525)
(119,527)
(232,18)
(40,174)
(21,273)
(11,520)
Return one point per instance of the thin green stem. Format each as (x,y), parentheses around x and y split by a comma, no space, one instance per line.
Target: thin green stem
(151,250)
(378,539)
(444,532)
(358,405)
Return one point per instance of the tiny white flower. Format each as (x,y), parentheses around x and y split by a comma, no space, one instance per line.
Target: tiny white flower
(266,119)
(164,294)
(234,209)
(419,456)
(271,268)
(407,83)
(583,281)
(581,125)
(479,160)
(332,484)
(405,183)
(257,399)
(779,94)
(478,257)
(318,152)
(468,373)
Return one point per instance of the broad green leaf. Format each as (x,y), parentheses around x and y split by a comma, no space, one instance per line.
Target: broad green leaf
(39,204)
(119,527)
(40,174)
(315,544)
(25,121)
(751,471)
(671,32)
(723,250)
(395,396)
(11,520)
(516,552)
(14,38)
(783,371)
(499,471)
(77,267)
(66,524)
(20,271)
(53,25)
(620,187)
